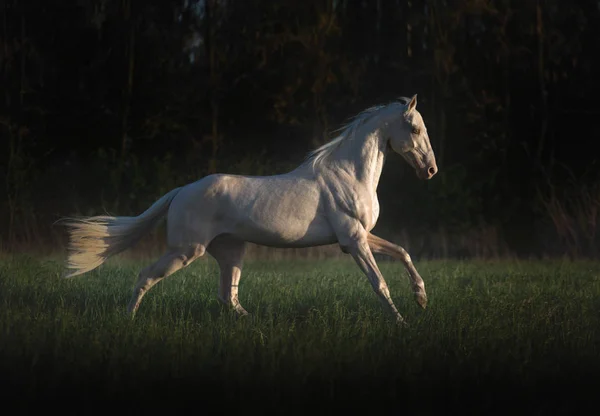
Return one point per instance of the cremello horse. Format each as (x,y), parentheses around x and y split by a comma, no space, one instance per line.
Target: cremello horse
(330,198)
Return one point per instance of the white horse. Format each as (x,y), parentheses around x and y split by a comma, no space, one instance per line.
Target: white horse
(330,198)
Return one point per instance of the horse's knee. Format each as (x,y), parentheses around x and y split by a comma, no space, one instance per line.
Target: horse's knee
(192,253)
(349,244)
(353,246)
(404,256)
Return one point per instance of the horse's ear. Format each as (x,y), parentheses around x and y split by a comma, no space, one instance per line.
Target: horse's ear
(412,104)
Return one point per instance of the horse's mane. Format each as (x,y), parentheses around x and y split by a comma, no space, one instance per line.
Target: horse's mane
(347,132)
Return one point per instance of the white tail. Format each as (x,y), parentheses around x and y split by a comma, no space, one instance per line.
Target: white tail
(94,239)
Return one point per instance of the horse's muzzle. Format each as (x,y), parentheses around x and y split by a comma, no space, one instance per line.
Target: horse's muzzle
(427,172)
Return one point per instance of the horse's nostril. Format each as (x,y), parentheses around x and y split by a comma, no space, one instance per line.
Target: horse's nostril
(432,171)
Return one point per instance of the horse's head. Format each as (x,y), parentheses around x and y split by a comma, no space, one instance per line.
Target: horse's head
(407,136)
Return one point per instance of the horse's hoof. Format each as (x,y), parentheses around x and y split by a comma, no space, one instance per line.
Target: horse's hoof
(402,323)
(240,313)
(421,299)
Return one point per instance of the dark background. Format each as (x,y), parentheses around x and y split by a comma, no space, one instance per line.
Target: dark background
(107,105)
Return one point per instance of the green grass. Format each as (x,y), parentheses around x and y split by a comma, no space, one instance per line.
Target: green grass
(494,334)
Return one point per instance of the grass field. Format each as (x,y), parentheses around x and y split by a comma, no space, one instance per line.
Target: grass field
(497,336)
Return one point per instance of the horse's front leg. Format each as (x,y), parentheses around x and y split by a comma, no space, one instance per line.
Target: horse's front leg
(380,246)
(354,241)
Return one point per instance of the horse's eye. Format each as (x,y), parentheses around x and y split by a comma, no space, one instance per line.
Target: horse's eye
(416,130)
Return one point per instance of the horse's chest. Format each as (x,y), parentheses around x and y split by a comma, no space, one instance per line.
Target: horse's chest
(371,214)
(374,212)
(367,210)
(357,201)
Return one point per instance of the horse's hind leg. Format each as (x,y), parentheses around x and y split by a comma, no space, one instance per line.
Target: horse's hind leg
(229,253)
(169,263)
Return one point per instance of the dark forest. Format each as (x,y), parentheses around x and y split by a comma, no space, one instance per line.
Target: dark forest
(107,105)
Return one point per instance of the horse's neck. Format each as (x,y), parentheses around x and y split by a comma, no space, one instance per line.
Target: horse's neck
(363,157)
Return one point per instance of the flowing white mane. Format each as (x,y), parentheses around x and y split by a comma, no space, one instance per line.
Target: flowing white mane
(347,132)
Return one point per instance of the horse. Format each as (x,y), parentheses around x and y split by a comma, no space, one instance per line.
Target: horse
(331,197)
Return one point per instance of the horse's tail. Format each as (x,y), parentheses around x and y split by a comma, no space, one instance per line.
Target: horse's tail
(95,239)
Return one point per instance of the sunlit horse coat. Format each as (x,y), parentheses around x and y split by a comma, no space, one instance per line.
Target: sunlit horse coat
(330,198)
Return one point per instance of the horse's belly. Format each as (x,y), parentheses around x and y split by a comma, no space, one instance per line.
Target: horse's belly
(286,234)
